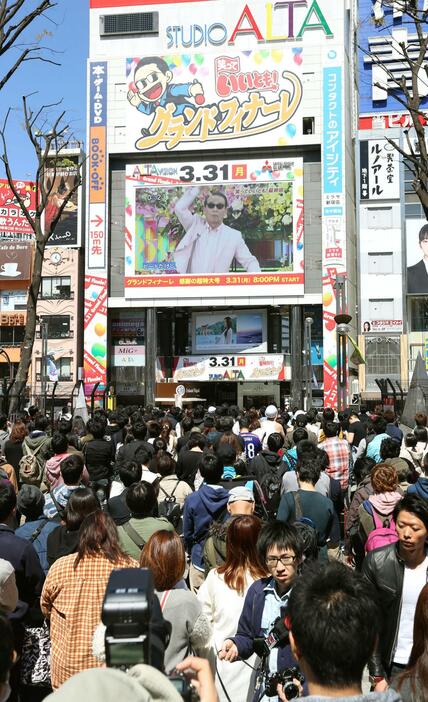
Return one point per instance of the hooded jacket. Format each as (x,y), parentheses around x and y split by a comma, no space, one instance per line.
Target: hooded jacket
(33,441)
(419,488)
(53,471)
(265,461)
(200,510)
(383,504)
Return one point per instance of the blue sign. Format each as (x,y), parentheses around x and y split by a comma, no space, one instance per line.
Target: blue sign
(98,94)
(382,38)
(332,130)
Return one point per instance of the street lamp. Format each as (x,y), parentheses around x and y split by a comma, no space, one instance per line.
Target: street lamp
(308,365)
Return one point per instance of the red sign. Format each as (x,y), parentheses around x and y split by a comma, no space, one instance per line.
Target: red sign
(12,219)
(389,121)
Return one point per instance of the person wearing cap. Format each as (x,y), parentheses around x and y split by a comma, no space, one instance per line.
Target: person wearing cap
(417,275)
(241,501)
(271,425)
(37,527)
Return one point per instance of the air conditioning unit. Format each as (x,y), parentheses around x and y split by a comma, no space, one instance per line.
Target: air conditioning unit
(137,23)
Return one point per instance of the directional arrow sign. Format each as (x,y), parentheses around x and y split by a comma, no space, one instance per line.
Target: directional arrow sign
(97,220)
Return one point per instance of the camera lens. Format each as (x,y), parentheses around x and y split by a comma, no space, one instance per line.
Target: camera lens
(291,690)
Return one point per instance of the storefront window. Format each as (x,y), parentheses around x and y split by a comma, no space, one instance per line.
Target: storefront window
(11,336)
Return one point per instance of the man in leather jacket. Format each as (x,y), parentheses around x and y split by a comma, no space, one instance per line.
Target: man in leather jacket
(398,572)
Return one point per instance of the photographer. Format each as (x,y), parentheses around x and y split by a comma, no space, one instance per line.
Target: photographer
(334,622)
(280,549)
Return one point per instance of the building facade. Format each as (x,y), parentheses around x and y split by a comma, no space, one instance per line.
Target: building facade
(393,299)
(220,197)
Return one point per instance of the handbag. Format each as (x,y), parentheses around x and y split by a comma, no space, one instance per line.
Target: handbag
(36,656)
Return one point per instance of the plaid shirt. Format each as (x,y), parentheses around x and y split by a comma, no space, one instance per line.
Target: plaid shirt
(338,453)
(72,599)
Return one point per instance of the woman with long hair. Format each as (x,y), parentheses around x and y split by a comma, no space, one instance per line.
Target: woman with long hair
(222,597)
(73,594)
(169,436)
(65,539)
(164,555)
(412,684)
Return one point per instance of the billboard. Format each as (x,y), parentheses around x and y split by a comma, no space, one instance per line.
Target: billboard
(220,226)
(95,316)
(229,331)
(254,367)
(59,181)
(380,170)
(234,99)
(127,340)
(12,219)
(16,259)
(417,256)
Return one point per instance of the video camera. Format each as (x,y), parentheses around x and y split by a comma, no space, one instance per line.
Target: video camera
(278,635)
(126,613)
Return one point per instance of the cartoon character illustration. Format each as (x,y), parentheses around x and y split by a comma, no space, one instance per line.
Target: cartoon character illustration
(152,88)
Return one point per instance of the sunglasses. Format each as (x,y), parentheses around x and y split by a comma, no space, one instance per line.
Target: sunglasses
(211,205)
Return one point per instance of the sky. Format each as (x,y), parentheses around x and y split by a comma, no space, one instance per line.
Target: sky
(65,29)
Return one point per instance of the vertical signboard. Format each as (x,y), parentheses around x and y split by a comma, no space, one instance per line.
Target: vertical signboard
(380,176)
(333,211)
(95,320)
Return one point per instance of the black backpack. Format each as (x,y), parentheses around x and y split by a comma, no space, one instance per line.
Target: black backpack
(169,507)
(270,484)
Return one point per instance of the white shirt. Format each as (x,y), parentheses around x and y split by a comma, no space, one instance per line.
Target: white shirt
(207,250)
(414,581)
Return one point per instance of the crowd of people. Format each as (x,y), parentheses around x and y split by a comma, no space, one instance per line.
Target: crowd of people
(287,552)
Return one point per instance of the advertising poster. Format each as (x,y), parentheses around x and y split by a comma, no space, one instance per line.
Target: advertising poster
(12,219)
(59,182)
(95,317)
(127,339)
(221,226)
(380,170)
(15,260)
(230,368)
(382,325)
(417,256)
(235,99)
(229,331)
(333,211)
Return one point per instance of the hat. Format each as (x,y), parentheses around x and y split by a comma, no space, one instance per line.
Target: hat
(240,494)
(271,412)
(211,409)
(30,500)
(142,684)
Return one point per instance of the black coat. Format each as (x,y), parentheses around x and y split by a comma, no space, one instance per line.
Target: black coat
(28,571)
(417,278)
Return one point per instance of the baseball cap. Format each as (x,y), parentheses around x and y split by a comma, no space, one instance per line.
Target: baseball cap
(30,500)
(211,409)
(271,412)
(240,494)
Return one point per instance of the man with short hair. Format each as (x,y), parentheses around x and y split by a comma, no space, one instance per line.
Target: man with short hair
(338,453)
(130,472)
(253,445)
(271,425)
(209,245)
(201,509)
(132,451)
(398,572)
(334,624)
(190,457)
(356,431)
(373,447)
(71,470)
(240,502)
(280,550)
(141,500)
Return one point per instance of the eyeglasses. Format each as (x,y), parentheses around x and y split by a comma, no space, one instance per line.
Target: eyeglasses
(211,205)
(273,561)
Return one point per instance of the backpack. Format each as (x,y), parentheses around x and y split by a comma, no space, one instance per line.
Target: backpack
(169,507)
(270,484)
(291,461)
(384,532)
(30,470)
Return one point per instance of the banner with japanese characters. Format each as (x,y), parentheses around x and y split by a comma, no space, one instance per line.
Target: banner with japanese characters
(223,227)
(380,170)
(255,367)
(233,99)
(333,210)
(12,219)
(95,316)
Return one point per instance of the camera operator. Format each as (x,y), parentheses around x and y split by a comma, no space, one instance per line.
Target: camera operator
(333,617)
(280,550)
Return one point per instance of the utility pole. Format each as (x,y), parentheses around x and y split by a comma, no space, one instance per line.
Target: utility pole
(308,364)
(342,320)
(296,356)
(43,369)
(151,349)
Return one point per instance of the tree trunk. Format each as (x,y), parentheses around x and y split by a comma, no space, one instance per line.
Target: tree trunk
(21,377)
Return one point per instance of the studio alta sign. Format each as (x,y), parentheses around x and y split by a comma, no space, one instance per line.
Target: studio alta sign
(286,20)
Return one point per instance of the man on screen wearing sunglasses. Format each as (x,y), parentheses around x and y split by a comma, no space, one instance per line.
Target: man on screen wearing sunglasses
(209,245)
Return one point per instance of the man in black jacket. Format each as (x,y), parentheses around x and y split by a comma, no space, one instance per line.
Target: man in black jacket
(137,449)
(99,457)
(398,571)
(417,275)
